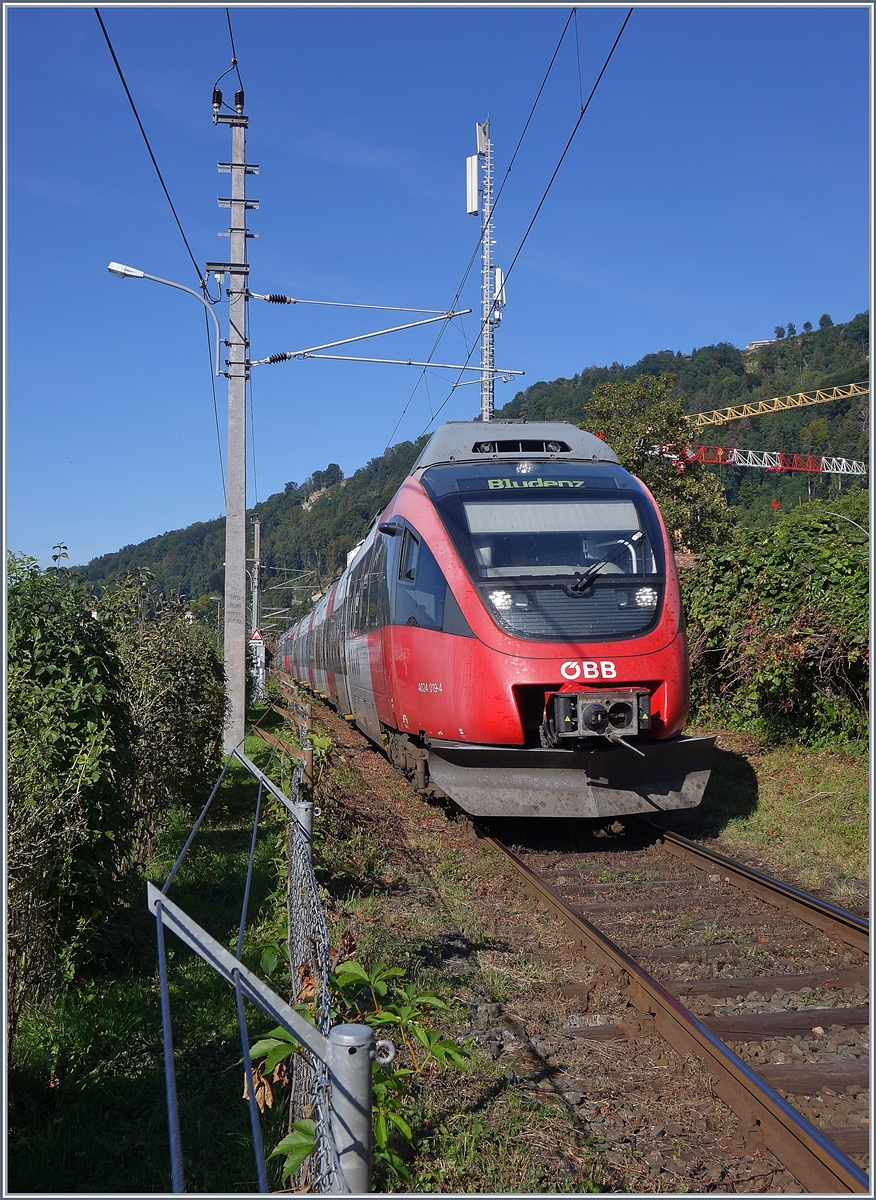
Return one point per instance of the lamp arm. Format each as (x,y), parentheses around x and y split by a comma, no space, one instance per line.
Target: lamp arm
(191,291)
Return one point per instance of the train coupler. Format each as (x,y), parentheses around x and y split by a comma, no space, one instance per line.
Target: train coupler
(616,715)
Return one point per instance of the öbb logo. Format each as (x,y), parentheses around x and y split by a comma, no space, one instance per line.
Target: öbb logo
(588,670)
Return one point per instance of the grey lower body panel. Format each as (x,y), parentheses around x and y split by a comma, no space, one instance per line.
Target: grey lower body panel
(609,782)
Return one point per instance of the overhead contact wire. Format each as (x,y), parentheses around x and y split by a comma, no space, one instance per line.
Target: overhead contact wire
(148,147)
(569,142)
(545,194)
(477,248)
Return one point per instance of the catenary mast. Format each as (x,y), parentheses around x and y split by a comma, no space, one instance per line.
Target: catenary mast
(492,285)
(237,371)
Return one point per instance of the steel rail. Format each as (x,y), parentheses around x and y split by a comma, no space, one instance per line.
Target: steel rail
(816,1163)
(845,926)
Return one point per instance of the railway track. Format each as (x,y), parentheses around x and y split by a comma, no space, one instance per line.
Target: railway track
(709,953)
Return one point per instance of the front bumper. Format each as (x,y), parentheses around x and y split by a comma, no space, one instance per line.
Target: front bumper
(609,781)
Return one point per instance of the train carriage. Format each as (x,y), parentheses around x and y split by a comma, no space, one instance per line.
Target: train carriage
(511,631)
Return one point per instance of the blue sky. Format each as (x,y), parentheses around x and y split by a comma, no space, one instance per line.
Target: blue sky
(718,186)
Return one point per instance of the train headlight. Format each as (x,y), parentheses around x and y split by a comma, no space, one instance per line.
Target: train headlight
(646,597)
(500,600)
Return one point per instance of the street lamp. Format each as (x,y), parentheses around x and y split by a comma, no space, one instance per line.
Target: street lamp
(123,272)
(235,478)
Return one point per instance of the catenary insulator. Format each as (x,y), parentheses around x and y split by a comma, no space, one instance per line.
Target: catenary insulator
(276,298)
(238,101)
(278,358)
(217,100)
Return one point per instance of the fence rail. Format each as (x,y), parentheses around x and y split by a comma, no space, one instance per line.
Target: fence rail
(331,1076)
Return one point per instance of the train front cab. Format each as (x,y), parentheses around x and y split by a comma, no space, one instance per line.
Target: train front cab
(536,633)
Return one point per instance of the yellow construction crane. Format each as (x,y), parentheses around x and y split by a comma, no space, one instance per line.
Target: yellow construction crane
(720,416)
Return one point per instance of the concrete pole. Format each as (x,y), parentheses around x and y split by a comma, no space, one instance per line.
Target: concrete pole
(236,639)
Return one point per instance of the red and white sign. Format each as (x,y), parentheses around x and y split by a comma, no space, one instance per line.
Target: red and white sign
(256,636)
(588,670)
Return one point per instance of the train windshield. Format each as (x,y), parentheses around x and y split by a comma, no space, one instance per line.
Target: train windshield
(563,552)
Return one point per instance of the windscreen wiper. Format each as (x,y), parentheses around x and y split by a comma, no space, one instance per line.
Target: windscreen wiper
(584,579)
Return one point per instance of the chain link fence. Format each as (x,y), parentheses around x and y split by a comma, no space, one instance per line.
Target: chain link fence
(331,1071)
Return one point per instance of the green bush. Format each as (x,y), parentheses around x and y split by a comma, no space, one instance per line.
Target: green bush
(175,686)
(70,761)
(778,627)
(115,711)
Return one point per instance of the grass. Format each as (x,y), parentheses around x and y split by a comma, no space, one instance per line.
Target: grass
(86,1098)
(802,812)
(412,905)
(87,1108)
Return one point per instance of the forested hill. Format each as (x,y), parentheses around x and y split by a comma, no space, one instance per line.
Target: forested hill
(715,376)
(312,526)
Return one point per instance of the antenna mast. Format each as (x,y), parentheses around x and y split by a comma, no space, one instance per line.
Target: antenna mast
(492,283)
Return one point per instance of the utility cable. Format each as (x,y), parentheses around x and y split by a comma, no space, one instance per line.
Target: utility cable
(201,280)
(215,407)
(233,51)
(545,194)
(255,482)
(477,248)
(148,147)
(578,53)
(569,143)
(228,70)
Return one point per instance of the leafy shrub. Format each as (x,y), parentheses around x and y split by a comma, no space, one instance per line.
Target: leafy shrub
(380,998)
(115,710)
(70,762)
(175,686)
(778,627)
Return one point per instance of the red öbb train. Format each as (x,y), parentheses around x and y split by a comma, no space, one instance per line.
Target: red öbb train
(510,630)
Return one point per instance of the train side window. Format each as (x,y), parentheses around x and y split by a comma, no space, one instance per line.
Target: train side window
(430,590)
(378,594)
(410,553)
(358,598)
(422,597)
(454,621)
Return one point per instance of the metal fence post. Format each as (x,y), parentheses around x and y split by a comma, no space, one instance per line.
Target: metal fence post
(351,1054)
(304,816)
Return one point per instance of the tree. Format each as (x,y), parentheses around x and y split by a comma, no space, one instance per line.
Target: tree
(807,326)
(290,487)
(824,321)
(780,332)
(635,418)
(792,329)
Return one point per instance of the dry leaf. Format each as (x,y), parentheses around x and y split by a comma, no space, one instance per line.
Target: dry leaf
(306,982)
(281,1074)
(264,1097)
(345,951)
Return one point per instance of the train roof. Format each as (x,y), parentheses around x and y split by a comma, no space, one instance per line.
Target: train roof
(477,441)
